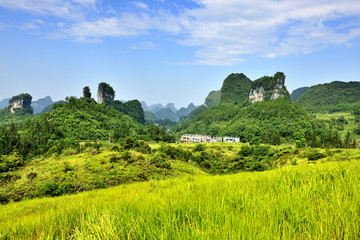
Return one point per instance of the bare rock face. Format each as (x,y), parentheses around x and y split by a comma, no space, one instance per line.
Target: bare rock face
(268,88)
(105,94)
(257,95)
(21,102)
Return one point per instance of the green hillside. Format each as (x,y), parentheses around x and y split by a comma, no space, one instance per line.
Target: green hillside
(273,122)
(297,93)
(213,98)
(331,97)
(235,89)
(69,124)
(316,201)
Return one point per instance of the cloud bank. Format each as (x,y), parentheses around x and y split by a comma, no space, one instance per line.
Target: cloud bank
(223,32)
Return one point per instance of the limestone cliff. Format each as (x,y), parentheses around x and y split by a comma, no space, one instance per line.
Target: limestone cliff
(105,94)
(268,88)
(21,104)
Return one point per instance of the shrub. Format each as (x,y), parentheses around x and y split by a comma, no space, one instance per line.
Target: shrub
(199,147)
(300,143)
(32,175)
(49,190)
(3,199)
(315,155)
(160,161)
(246,151)
(126,156)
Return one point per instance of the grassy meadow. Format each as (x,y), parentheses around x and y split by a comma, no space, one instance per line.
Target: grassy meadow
(309,201)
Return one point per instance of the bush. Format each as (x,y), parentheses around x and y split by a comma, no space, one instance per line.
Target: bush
(49,190)
(315,155)
(199,147)
(32,175)
(160,161)
(3,199)
(300,143)
(54,189)
(126,156)
(246,151)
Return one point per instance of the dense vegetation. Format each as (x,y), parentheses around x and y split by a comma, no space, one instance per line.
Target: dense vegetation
(213,98)
(331,97)
(316,201)
(81,145)
(297,93)
(235,89)
(70,123)
(93,165)
(132,108)
(7,118)
(273,122)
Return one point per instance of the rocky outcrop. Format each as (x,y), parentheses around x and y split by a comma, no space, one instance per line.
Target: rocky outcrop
(268,88)
(21,103)
(105,94)
(257,95)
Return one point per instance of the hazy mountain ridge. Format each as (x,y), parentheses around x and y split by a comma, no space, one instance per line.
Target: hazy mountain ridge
(168,111)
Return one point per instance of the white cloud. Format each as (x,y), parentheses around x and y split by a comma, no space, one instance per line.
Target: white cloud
(143,46)
(34,24)
(224,32)
(126,25)
(141,5)
(228,31)
(72,9)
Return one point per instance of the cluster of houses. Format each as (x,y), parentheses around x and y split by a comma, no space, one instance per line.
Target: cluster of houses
(196,138)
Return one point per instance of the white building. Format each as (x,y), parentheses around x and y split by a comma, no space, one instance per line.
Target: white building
(197,138)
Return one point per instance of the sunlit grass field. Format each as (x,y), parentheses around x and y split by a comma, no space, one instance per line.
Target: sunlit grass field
(314,201)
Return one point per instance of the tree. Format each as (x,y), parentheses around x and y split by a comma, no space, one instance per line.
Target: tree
(86,92)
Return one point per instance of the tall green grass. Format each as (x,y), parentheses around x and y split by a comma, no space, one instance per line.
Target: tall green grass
(315,201)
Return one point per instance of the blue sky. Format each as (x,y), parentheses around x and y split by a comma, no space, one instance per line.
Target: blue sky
(173,51)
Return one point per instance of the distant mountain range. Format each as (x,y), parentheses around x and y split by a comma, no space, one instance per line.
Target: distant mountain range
(168,111)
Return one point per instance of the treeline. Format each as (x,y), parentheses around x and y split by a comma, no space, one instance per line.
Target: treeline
(76,121)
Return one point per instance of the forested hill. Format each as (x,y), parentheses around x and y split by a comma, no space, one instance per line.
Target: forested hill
(297,93)
(271,122)
(70,123)
(331,97)
(272,117)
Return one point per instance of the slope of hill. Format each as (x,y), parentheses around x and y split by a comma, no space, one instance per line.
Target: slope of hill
(315,201)
(272,118)
(235,89)
(297,93)
(41,104)
(212,99)
(4,103)
(70,123)
(331,97)
(49,108)
(269,120)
